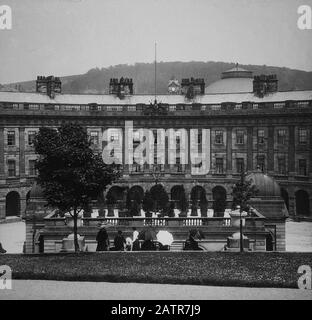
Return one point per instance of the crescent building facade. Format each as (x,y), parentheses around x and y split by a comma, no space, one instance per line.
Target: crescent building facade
(251,125)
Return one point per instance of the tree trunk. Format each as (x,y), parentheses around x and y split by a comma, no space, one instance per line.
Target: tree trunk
(241,242)
(76,231)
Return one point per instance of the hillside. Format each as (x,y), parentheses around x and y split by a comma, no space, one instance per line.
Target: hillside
(96,80)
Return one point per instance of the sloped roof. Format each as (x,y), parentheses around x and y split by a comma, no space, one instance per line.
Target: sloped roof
(40,98)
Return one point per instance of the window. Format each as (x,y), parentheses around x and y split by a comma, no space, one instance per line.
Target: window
(136,167)
(72,107)
(216,107)
(31,137)
(172,108)
(303,167)
(240,136)
(261,163)
(240,167)
(260,136)
(281,165)
(279,105)
(94,137)
(281,136)
(199,138)
(255,106)
(218,137)
(303,136)
(302,104)
(238,106)
(11,138)
(114,108)
(131,108)
(32,168)
(33,106)
(11,168)
(219,165)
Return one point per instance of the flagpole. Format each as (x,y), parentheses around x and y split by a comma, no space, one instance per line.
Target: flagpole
(155,71)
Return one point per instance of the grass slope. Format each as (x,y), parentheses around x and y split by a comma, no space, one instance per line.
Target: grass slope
(200,268)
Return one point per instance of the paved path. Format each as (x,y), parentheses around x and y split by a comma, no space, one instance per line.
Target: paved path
(12,236)
(62,290)
(298,236)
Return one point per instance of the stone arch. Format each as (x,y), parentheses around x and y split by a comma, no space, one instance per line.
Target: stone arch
(302,203)
(178,195)
(134,200)
(13,204)
(160,196)
(219,201)
(115,195)
(136,193)
(285,196)
(198,200)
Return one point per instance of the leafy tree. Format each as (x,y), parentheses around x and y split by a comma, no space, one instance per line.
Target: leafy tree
(148,203)
(183,203)
(170,210)
(70,174)
(135,208)
(242,191)
(160,197)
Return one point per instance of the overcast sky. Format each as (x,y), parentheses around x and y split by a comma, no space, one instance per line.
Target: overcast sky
(65,37)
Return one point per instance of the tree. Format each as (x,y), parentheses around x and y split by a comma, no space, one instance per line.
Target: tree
(183,203)
(70,174)
(160,197)
(243,190)
(148,203)
(134,208)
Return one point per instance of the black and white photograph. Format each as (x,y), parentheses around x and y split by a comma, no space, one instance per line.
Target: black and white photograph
(155,153)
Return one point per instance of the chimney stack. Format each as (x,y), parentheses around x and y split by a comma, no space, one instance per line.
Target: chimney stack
(49,85)
(192,87)
(122,87)
(265,84)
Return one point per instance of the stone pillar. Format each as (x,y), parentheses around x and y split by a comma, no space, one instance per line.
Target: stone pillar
(270,150)
(23,206)
(21,152)
(124,165)
(2,207)
(2,173)
(291,150)
(249,148)
(229,150)
(167,166)
(292,205)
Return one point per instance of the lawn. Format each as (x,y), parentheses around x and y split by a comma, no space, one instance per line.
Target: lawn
(202,268)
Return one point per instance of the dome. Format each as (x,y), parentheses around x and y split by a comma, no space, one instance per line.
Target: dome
(235,80)
(36,192)
(266,185)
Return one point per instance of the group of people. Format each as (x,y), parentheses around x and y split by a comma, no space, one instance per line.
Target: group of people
(133,244)
(120,242)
